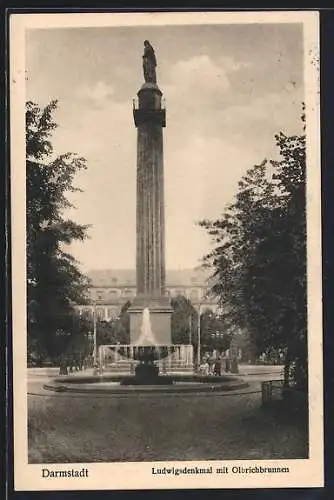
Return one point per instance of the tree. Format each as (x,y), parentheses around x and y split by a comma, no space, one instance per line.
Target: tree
(243,343)
(115,331)
(183,321)
(215,332)
(124,319)
(259,255)
(54,281)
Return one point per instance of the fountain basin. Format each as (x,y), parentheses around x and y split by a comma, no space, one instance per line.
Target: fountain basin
(126,385)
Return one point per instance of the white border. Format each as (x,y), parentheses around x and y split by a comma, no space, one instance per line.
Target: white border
(134,475)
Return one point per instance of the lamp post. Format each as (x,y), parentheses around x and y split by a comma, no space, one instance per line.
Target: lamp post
(202,301)
(94,336)
(199,336)
(190,329)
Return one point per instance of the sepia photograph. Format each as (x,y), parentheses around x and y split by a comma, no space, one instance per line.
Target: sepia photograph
(166,249)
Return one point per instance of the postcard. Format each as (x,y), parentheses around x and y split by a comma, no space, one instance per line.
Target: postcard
(166,250)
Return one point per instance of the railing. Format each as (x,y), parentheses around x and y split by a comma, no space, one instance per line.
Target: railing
(135,104)
(271,390)
(124,354)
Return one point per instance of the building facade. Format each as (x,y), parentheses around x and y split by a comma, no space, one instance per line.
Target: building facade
(111,289)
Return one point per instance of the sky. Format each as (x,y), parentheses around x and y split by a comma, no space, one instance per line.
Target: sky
(228,90)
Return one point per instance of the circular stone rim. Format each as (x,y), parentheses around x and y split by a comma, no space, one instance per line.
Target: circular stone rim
(93,379)
(204,385)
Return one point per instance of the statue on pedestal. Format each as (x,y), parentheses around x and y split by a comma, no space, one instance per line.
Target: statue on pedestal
(149,63)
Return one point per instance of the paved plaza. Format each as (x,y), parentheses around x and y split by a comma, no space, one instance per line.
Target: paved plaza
(148,427)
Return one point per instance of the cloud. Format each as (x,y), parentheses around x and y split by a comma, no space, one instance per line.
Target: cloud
(201,178)
(98,93)
(200,100)
(231,65)
(264,115)
(199,74)
(194,90)
(212,137)
(106,137)
(223,108)
(96,131)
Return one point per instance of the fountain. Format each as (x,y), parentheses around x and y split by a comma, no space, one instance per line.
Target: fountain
(147,355)
(146,334)
(147,352)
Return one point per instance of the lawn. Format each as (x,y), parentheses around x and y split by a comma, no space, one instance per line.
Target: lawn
(110,428)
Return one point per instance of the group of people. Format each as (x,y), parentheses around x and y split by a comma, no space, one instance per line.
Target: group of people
(215,365)
(72,363)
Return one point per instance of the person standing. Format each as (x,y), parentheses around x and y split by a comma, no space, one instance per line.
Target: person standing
(211,362)
(217,368)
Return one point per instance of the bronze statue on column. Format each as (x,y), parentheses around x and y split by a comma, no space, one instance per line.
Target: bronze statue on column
(149,63)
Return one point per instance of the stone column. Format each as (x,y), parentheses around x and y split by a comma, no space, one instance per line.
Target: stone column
(150,118)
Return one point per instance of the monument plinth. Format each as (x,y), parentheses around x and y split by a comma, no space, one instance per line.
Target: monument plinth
(150,119)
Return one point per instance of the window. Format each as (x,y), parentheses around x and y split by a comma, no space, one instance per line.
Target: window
(194,295)
(100,294)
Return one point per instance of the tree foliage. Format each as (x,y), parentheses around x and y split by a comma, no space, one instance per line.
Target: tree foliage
(116,331)
(183,321)
(214,331)
(54,281)
(184,325)
(259,254)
